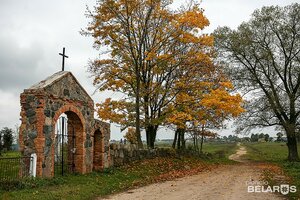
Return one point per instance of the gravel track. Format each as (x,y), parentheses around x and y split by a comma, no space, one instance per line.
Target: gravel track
(224,182)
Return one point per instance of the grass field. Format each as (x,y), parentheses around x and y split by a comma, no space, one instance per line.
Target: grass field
(220,152)
(208,147)
(228,148)
(10,154)
(276,153)
(268,151)
(113,180)
(98,184)
(9,166)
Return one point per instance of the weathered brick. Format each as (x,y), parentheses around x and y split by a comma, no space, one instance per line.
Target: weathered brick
(30,113)
(41,108)
(47,113)
(47,130)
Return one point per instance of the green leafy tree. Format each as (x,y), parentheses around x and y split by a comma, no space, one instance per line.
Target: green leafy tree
(254,137)
(7,138)
(263,60)
(267,137)
(1,142)
(279,137)
(261,135)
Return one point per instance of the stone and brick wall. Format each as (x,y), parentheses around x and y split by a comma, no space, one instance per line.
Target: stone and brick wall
(121,154)
(103,129)
(41,107)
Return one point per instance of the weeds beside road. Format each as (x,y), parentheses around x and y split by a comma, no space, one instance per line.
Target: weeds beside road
(276,153)
(114,180)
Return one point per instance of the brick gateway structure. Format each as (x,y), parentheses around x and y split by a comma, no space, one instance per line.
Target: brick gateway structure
(42,105)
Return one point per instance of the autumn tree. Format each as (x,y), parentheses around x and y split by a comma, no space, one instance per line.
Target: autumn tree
(198,135)
(131,136)
(263,57)
(149,48)
(219,105)
(203,107)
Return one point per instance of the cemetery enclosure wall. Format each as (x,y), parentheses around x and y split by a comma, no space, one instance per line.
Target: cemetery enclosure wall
(121,154)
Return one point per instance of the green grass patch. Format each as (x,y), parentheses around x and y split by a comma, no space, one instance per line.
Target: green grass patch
(9,167)
(220,152)
(115,180)
(213,152)
(268,151)
(10,154)
(228,148)
(276,153)
(104,183)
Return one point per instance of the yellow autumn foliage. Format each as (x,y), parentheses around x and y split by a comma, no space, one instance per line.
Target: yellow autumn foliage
(131,136)
(160,57)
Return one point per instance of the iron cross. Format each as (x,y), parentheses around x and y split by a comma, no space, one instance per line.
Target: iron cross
(63,58)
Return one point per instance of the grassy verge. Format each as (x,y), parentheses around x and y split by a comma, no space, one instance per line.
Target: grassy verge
(10,154)
(115,180)
(220,152)
(276,153)
(103,183)
(228,148)
(9,165)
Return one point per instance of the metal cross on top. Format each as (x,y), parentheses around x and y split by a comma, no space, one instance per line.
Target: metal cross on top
(63,58)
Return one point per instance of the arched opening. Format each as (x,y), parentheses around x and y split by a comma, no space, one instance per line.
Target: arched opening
(98,150)
(68,140)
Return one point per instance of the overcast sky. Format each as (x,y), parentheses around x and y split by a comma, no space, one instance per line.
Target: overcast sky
(33,32)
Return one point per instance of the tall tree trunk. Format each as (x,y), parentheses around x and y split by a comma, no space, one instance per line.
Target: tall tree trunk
(148,137)
(201,144)
(147,120)
(152,139)
(137,110)
(0,143)
(194,141)
(182,138)
(175,139)
(151,135)
(197,145)
(292,147)
(178,139)
(202,138)
(292,143)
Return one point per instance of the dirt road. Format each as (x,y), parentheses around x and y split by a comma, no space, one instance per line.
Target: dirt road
(225,182)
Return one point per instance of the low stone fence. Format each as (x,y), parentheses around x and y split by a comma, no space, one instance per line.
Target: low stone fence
(121,154)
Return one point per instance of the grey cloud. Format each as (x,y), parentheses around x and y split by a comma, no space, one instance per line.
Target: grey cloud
(33,32)
(18,65)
